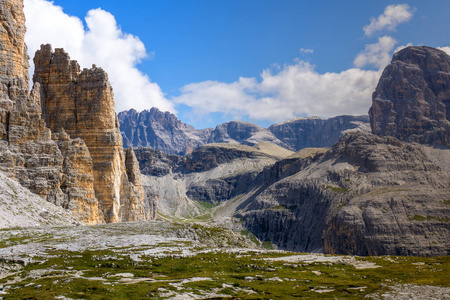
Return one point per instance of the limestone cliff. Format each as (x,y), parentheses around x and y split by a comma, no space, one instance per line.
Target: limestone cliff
(81,103)
(368,195)
(59,171)
(412,99)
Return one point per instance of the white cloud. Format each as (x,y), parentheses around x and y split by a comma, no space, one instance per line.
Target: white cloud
(445,49)
(378,54)
(295,90)
(393,16)
(102,43)
(306,51)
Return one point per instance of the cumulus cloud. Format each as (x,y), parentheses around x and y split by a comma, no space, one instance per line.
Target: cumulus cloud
(393,16)
(101,42)
(297,89)
(445,49)
(378,54)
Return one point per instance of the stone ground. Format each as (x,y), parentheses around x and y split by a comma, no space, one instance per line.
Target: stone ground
(167,260)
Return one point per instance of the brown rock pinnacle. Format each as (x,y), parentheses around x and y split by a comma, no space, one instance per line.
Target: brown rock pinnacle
(82,103)
(58,170)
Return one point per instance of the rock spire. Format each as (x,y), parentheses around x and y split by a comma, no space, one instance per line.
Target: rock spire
(81,103)
(412,99)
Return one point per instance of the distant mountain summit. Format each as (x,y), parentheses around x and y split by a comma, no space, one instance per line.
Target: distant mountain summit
(412,99)
(160,130)
(315,132)
(164,132)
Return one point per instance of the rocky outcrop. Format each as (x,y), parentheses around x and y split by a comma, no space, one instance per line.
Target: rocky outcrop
(316,132)
(161,131)
(412,99)
(367,196)
(244,133)
(81,104)
(212,173)
(59,170)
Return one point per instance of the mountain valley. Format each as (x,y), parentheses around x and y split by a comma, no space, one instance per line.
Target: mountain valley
(97,205)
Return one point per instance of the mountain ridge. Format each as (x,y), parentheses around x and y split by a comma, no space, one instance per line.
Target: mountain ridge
(163,131)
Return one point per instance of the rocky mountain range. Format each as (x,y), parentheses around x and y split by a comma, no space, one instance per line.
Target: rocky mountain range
(370,194)
(308,184)
(163,131)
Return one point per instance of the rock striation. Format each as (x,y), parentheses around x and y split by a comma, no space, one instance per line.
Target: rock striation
(368,195)
(163,131)
(80,103)
(412,99)
(62,140)
(60,169)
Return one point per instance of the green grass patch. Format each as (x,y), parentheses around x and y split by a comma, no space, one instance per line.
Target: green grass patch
(440,219)
(418,218)
(251,237)
(206,205)
(336,189)
(225,273)
(267,245)
(281,207)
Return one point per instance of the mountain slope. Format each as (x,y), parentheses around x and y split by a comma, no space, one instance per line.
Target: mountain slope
(21,208)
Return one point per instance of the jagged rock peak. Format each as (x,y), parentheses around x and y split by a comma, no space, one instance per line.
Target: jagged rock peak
(82,104)
(160,130)
(412,99)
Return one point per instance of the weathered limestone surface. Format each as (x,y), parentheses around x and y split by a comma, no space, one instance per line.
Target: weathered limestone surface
(412,99)
(82,104)
(60,172)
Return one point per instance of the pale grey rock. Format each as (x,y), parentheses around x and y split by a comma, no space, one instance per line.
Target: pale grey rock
(212,173)
(367,196)
(21,208)
(315,132)
(412,99)
(244,133)
(159,130)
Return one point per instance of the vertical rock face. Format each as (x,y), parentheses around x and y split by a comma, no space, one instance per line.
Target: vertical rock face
(13,54)
(412,99)
(58,170)
(82,104)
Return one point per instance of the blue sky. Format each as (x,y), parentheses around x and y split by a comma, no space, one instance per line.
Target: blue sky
(262,61)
